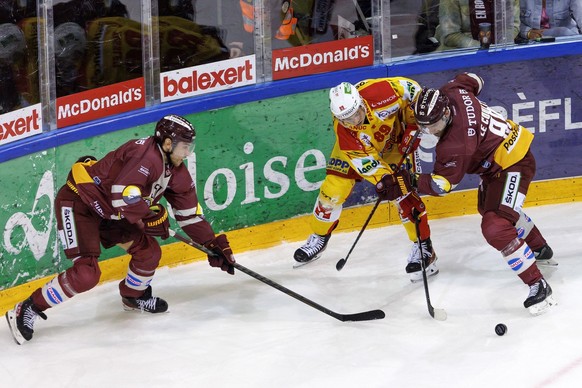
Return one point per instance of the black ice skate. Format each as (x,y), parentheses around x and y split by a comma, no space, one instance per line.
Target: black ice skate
(544,256)
(414,269)
(21,320)
(540,298)
(312,249)
(145,303)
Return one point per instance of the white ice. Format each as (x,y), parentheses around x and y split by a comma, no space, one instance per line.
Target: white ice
(234,331)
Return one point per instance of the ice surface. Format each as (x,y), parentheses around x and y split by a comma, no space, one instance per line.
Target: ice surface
(234,331)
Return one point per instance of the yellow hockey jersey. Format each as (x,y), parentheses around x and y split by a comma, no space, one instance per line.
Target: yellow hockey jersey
(370,150)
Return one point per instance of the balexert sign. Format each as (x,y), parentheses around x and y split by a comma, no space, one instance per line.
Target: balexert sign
(323,57)
(20,123)
(100,102)
(212,77)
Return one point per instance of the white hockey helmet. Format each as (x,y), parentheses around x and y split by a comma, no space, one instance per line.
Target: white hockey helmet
(344,100)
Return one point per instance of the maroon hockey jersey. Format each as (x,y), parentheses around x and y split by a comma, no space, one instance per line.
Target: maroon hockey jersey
(109,187)
(478,140)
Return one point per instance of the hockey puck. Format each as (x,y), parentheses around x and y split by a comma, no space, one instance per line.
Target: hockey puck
(500,329)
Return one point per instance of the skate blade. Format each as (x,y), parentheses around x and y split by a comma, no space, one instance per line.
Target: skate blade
(547,263)
(416,277)
(543,306)
(129,308)
(300,264)
(11,319)
(140,310)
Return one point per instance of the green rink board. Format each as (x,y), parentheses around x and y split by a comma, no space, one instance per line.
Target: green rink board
(254,163)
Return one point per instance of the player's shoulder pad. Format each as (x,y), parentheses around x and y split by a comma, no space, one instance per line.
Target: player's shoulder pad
(468,81)
(405,88)
(410,88)
(359,85)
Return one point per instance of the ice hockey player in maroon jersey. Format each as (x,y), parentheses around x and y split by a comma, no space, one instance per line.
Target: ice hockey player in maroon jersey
(474,139)
(115,201)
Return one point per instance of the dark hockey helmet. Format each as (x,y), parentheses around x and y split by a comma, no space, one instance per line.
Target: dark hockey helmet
(176,128)
(430,106)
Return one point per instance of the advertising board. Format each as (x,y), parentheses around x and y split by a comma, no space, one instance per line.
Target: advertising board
(263,161)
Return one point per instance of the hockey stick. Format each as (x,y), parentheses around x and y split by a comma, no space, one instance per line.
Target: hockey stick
(340,264)
(438,314)
(363,316)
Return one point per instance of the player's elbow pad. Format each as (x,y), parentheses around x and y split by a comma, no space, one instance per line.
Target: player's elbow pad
(479,80)
(440,185)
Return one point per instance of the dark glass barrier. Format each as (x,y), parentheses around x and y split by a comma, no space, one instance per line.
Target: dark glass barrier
(18,55)
(98,58)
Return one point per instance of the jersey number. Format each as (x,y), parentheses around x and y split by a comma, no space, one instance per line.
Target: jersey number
(497,125)
(381,133)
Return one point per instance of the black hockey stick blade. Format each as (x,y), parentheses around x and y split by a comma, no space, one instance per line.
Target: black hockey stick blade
(363,316)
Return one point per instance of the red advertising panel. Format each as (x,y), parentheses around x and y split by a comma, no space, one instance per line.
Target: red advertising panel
(323,57)
(100,102)
(20,124)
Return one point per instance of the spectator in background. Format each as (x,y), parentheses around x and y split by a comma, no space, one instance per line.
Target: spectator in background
(550,18)
(83,50)
(302,22)
(188,39)
(459,22)
(428,20)
(16,91)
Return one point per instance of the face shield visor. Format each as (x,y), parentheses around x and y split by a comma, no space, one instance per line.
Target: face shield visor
(356,119)
(181,149)
(436,128)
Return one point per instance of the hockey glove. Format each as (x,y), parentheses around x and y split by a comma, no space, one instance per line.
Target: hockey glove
(411,207)
(393,186)
(407,137)
(223,256)
(157,223)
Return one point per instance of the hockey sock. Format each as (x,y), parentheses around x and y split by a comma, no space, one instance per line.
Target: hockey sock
(520,259)
(135,284)
(325,217)
(528,231)
(53,293)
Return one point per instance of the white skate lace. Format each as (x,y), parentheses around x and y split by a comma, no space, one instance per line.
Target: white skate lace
(314,245)
(29,317)
(534,288)
(147,305)
(414,255)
